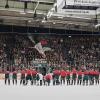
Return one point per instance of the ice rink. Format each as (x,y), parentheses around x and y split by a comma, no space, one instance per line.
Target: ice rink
(20,92)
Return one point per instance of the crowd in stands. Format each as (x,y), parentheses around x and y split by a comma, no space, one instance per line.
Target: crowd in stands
(16,50)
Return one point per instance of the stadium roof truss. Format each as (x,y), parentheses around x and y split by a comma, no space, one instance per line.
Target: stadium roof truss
(43,13)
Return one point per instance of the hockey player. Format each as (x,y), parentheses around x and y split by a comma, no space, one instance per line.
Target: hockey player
(68,77)
(48,78)
(44,79)
(56,74)
(34,73)
(28,76)
(53,78)
(7,77)
(40,79)
(79,81)
(63,75)
(96,76)
(37,78)
(85,77)
(23,77)
(91,76)
(14,77)
(74,72)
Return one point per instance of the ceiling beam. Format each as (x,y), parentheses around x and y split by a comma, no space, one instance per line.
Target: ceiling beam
(46,2)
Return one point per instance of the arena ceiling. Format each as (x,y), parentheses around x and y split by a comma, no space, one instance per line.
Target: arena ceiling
(42,13)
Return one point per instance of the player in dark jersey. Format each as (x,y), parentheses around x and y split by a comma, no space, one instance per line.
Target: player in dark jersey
(7,77)
(85,77)
(23,77)
(68,77)
(14,77)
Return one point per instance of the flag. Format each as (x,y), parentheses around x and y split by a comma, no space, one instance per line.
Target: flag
(46,49)
(39,48)
(45,45)
(39,44)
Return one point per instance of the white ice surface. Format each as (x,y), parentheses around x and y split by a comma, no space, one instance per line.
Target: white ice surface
(29,92)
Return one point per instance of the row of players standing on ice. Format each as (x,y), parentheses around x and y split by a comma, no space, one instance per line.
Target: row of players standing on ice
(86,77)
(76,76)
(35,77)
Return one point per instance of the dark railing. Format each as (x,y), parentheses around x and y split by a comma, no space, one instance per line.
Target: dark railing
(38,30)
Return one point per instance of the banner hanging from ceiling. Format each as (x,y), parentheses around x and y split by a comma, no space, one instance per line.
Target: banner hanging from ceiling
(74,12)
(83,2)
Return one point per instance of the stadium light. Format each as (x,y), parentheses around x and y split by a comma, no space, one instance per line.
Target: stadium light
(44,20)
(60,17)
(29,21)
(69,36)
(22,12)
(54,23)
